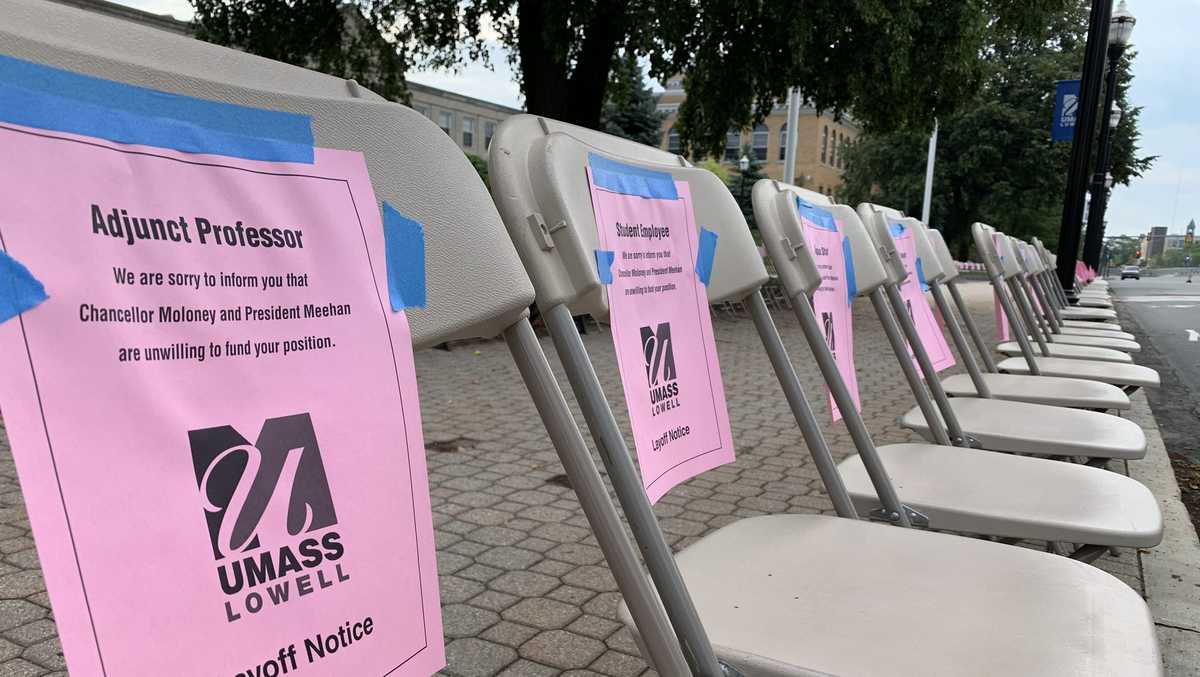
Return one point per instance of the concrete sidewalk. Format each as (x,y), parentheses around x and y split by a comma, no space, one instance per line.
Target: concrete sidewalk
(525,589)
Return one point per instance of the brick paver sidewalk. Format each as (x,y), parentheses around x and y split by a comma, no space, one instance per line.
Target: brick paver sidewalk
(525,589)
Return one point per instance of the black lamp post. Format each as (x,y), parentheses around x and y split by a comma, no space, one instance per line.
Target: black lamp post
(1119,31)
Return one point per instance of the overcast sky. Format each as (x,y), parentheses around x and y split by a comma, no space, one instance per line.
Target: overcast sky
(1164,77)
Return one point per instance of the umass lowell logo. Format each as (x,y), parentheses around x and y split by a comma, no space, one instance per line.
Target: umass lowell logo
(269,512)
(659,353)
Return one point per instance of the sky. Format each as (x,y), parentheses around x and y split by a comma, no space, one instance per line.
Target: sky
(1167,195)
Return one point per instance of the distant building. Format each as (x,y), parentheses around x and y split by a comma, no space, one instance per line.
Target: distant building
(1189,236)
(469,121)
(1174,242)
(820,148)
(1157,241)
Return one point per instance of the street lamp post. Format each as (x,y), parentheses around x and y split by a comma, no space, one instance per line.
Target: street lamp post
(744,165)
(1119,31)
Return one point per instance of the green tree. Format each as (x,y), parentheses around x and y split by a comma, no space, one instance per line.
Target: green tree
(995,160)
(1122,249)
(331,36)
(896,63)
(481,167)
(629,107)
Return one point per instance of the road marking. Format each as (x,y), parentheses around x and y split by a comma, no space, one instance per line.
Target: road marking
(1175,306)
(1161,299)
(1193,335)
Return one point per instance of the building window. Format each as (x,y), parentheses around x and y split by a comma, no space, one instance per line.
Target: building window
(833,149)
(759,141)
(446,122)
(423,110)
(733,145)
(824,142)
(673,141)
(842,159)
(489,130)
(783,142)
(468,136)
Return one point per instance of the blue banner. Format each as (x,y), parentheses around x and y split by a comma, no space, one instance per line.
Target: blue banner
(1066,109)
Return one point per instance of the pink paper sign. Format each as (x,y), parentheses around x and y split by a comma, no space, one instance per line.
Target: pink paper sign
(218,440)
(663,336)
(913,292)
(832,300)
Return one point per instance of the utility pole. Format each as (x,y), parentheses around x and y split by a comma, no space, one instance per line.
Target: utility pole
(1081,143)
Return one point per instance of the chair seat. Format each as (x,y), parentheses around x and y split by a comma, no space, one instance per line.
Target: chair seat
(1077,313)
(803,594)
(1088,324)
(1099,333)
(1064,350)
(995,494)
(1094,302)
(1055,391)
(1123,345)
(1022,427)
(1124,375)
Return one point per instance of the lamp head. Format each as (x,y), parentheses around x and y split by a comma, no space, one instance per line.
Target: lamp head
(1120,27)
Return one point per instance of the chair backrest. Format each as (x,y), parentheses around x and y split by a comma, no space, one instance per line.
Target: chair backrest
(541,187)
(783,236)
(475,284)
(931,265)
(941,252)
(997,261)
(878,219)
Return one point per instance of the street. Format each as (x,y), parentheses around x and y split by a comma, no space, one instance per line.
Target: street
(1166,311)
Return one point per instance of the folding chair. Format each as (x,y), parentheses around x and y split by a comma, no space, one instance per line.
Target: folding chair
(987,493)
(476,286)
(1047,323)
(941,272)
(1128,377)
(1044,281)
(997,425)
(804,599)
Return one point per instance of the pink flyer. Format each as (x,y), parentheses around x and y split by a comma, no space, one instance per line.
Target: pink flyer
(662,333)
(214,416)
(832,300)
(928,329)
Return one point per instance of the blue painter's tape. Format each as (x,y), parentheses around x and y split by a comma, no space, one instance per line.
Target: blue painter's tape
(921,275)
(629,180)
(896,229)
(404,245)
(604,261)
(821,218)
(851,282)
(705,254)
(19,289)
(38,96)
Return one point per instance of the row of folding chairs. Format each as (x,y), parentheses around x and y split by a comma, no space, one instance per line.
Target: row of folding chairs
(919,572)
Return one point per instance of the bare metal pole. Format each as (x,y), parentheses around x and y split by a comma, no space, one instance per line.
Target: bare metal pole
(652,623)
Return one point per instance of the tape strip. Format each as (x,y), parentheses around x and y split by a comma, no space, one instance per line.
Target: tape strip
(38,96)
(851,282)
(921,275)
(629,180)
(604,261)
(821,218)
(705,254)
(896,229)
(404,247)
(19,289)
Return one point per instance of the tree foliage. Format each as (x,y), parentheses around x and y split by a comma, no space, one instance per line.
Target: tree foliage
(741,182)
(629,107)
(896,63)
(330,36)
(995,160)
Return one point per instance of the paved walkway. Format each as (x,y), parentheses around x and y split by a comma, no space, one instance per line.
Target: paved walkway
(525,590)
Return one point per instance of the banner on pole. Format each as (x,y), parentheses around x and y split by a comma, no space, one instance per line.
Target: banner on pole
(1066,109)
(214,415)
(662,329)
